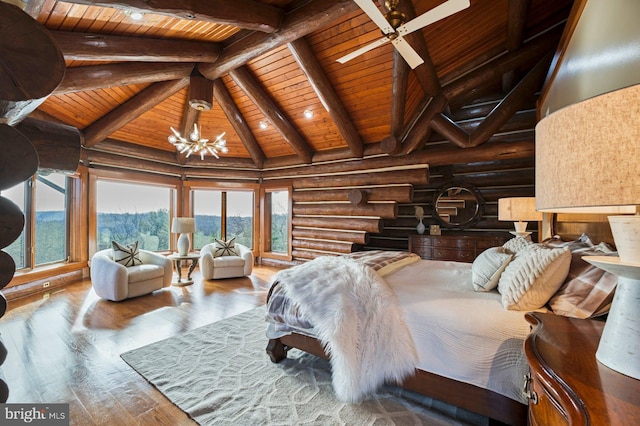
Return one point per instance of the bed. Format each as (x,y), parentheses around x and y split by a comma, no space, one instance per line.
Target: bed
(478,363)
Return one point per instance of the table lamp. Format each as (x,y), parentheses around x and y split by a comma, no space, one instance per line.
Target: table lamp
(588,161)
(520,210)
(183,226)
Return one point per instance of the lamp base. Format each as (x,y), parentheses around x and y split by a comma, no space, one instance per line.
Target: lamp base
(520,234)
(619,347)
(520,226)
(184,242)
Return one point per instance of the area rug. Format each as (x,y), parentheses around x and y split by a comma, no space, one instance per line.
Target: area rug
(219,374)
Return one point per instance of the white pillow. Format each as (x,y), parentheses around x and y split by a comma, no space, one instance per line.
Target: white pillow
(488,267)
(225,248)
(128,255)
(517,244)
(533,277)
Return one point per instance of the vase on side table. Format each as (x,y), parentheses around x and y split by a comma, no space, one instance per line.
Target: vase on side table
(420,228)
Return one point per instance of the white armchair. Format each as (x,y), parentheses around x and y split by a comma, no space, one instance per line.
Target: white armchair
(213,268)
(113,281)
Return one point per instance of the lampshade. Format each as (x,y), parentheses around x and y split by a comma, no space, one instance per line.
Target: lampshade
(588,160)
(518,208)
(183,225)
(588,155)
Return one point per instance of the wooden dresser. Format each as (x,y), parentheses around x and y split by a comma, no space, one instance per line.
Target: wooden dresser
(461,248)
(568,385)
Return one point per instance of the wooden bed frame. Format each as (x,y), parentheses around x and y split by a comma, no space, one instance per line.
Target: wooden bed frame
(498,408)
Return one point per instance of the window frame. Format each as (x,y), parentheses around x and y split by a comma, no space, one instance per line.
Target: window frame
(189,187)
(30,188)
(265,221)
(133,179)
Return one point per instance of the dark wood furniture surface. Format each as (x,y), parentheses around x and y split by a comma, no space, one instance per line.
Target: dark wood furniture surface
(460,248)
(568,385)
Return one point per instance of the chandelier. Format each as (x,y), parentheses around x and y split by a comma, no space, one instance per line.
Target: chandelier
(196,145)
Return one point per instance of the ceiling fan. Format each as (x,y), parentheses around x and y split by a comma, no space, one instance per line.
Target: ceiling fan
(393,26)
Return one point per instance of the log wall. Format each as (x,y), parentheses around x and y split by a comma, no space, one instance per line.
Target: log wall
(368,204)
(336,209)
(342,204)
(492,179)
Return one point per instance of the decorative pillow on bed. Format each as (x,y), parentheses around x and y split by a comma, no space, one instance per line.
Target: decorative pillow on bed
(517,244)
(533,276)
(488,267)
(128,255)
(225,248)
(588,291)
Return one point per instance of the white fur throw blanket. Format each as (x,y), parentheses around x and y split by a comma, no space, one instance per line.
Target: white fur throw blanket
(357,318)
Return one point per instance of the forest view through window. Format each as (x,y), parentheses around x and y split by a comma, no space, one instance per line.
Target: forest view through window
(223,215)
(279,219)
(132,212)
(47,194)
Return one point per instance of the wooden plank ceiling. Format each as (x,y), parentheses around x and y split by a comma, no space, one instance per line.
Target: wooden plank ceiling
(127,80)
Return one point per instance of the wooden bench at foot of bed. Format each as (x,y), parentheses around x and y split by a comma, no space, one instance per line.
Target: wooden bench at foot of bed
(496,407)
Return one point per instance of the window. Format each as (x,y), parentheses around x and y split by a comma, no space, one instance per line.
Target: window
(207,211)
(127,212)
(239,223)
(51,234)
(47,196)
(276,226)
(224,215)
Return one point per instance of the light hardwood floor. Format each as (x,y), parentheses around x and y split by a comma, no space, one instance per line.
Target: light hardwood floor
(65,348)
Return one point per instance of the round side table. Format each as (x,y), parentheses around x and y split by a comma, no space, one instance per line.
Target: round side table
(177,261)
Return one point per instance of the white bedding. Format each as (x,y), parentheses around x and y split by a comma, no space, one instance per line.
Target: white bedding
(459,333)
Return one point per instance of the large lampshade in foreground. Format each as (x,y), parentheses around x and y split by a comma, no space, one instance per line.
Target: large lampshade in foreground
(588,161)
(183,226)
(520,210)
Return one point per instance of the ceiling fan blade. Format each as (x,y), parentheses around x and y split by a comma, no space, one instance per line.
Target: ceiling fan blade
(407,52)
(369,7)
(435,14)
(362,50)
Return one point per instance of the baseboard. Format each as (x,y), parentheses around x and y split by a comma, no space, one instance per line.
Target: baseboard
(40,286)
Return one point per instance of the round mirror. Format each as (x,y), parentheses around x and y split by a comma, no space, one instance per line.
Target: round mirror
(457,206)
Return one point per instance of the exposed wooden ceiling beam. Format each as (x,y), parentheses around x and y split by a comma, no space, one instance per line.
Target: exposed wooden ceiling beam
(134,150)
(243,78)
(530,52)
(106,47)
(130,110)
(238,122)
(498,116)
(80,79)
(419,134)
(391,144)
(247,14)
(425,72)
(309,64)
(523,91)
(312,16)
(398,93)
(190,116)
(516,20)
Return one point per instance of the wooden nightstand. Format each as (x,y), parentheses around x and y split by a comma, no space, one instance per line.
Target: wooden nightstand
(461,248)
(568,386)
